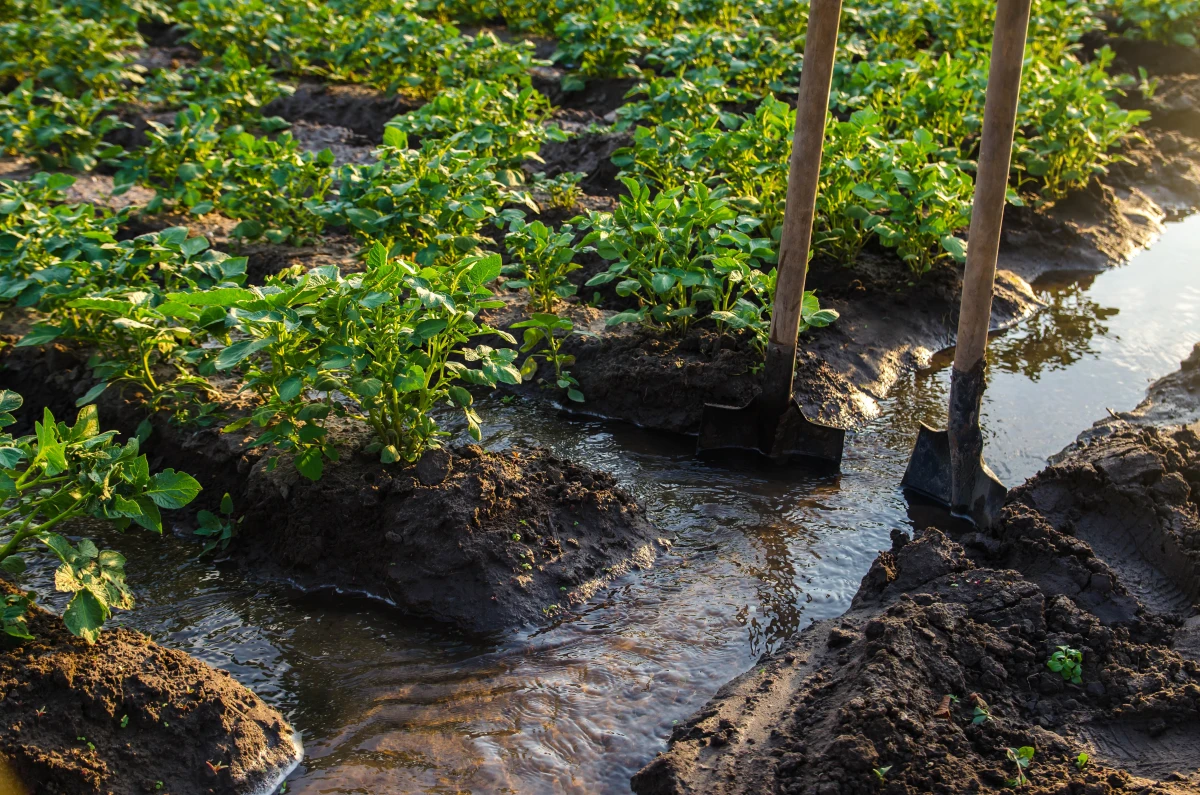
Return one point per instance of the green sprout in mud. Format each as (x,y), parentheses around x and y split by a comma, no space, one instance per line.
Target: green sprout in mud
(1081,761)
(881,772)
(552,330)
(1068,663)
(217,530)
(1020,757)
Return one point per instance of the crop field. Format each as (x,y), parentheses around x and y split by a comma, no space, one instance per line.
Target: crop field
(248,243)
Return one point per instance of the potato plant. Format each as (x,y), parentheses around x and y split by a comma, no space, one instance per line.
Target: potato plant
(662,248)
(60,131)
(541,260)
(426,204)
(385,347)
(63,472)
(500,124)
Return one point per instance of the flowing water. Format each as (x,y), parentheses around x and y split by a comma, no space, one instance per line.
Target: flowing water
(391,706)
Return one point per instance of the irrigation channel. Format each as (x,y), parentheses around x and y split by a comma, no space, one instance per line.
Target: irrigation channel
(390,706)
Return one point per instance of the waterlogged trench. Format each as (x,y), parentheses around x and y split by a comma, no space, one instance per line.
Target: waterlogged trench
(391,706)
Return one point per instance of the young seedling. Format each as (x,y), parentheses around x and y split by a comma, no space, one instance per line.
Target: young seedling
(1020,757)
(982,713)
(218,530)
(552,330)
(881,772)
(542,260)
(1067,663)
(1081,761)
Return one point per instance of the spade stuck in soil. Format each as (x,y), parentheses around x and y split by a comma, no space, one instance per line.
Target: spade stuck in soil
(948,466)
(774,423)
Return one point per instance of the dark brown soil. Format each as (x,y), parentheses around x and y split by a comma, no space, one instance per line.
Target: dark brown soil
(125,714)
(1098,552)
(600,96)
(361,109)
(478,539)
(932,619)
(590,154)
(1129,495)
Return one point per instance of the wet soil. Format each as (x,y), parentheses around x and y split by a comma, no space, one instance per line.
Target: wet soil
(933,619)
(1098,552)
(483,541)
(478,539)
(129,716)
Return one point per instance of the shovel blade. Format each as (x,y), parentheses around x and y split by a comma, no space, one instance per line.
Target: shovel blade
(929,474)
(781,439)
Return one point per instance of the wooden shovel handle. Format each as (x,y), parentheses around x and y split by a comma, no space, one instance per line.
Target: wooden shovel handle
(991,181)
(804,171)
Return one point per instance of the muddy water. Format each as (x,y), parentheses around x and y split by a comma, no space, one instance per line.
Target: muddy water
(389,706)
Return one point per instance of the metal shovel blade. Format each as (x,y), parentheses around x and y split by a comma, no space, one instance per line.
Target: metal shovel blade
(781,438)
(929,474)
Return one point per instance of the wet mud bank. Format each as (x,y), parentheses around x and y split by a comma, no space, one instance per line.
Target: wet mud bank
(940,665)
(129,716)
(476,539)
(661,381)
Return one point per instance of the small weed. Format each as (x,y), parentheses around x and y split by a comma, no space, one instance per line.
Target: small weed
(124,721)
(516,536)
(216,767)
(1067,663)
(1021,757)
(881,772)
(1081,761)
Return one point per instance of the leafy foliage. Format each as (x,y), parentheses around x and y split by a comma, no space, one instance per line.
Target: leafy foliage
(63,472)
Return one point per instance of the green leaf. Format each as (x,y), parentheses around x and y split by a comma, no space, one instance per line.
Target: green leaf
(171,489)
(13,564)
(410,380)
(92,394)
(9,400)
(85,615)
(460,397)
(220,296)
(240,350)
(310,464)
(290,387)
(955,247)
(227,504)
(40,335)
(430,328)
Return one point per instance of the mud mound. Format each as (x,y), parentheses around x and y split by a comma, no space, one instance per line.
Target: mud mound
(859,704)
(129,716)
(1130,496)
(659,381)
(478,539)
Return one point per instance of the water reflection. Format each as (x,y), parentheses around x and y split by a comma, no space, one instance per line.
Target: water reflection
(1059,336)
(388,705)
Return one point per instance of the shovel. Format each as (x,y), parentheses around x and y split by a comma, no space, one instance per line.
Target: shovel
(947,466)
(773,423)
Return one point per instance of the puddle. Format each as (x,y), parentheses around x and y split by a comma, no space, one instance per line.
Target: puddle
(392,706)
